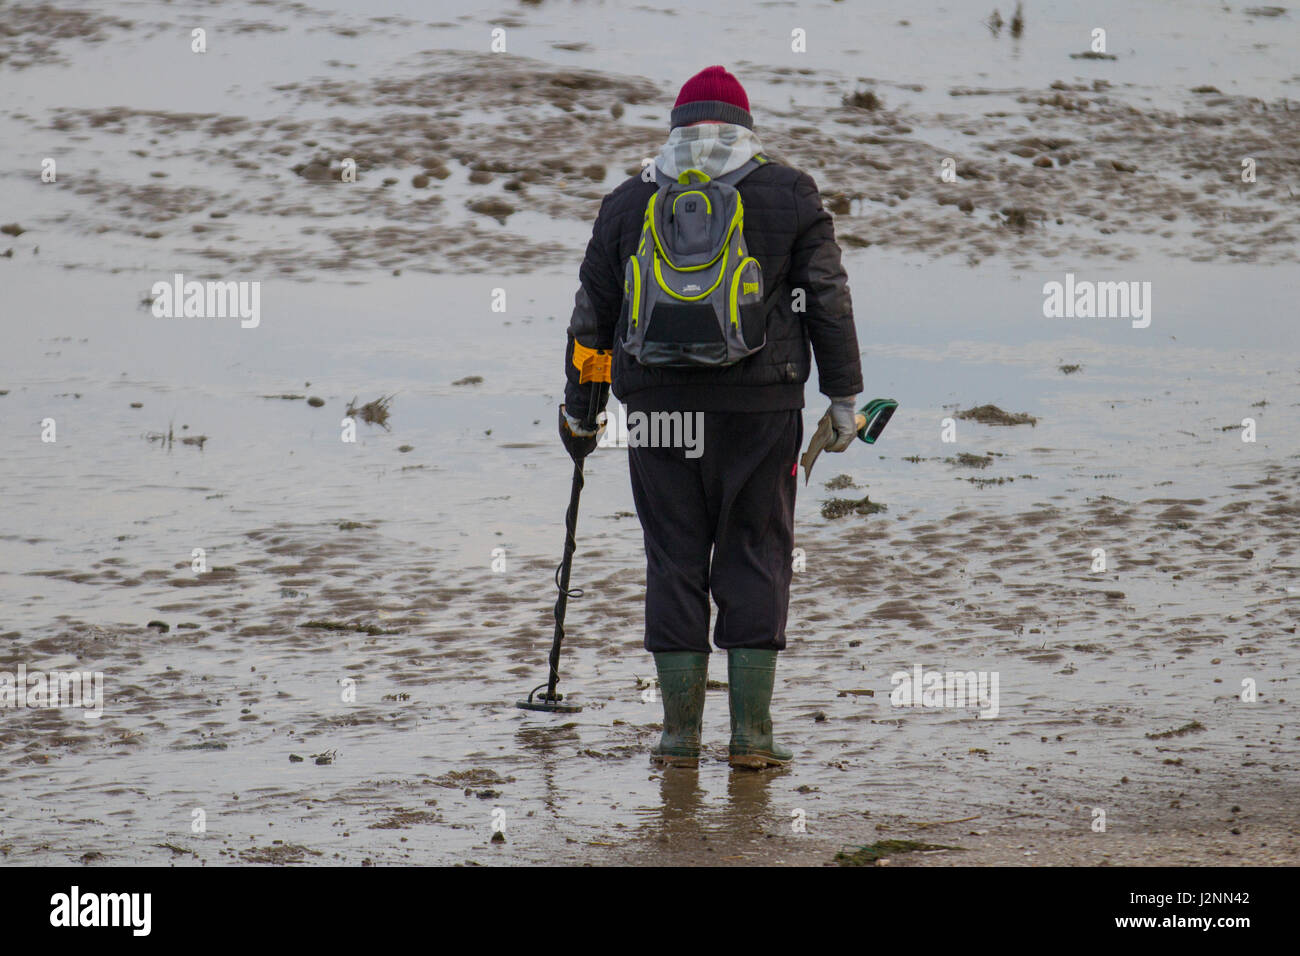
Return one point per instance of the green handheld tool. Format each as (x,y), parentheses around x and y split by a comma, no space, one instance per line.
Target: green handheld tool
(871,420)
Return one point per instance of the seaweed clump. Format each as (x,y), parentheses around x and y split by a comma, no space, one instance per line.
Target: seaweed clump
(992,415)
(840,507)
(883,849)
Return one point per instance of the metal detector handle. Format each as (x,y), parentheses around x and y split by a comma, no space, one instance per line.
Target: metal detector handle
(599,397)
(594,368)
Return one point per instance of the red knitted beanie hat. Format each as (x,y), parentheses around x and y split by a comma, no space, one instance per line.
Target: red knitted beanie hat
(712,94)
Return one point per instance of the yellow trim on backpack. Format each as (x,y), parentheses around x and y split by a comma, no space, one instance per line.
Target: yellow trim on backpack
(634,316)
(592,364)
(732,300)
(684,177)
(659,277)
(736,220)
(708,204)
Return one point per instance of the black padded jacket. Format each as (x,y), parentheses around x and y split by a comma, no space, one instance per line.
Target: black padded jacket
(805,289)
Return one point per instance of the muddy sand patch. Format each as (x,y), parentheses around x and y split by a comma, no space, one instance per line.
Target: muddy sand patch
(447,145)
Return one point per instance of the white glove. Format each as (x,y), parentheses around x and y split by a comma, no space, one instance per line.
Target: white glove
(844,421)
(577,427)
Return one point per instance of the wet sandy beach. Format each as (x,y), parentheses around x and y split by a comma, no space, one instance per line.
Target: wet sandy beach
(413,568)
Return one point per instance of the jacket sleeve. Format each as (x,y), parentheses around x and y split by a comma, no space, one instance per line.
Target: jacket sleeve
(596,309)
(828,309)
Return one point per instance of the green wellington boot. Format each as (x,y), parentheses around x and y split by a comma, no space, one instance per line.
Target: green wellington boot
(683,676)
(750,674)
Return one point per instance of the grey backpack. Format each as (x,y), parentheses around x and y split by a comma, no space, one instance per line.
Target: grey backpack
(692,294)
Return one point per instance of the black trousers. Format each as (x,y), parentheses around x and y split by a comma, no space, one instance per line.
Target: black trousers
(720,523)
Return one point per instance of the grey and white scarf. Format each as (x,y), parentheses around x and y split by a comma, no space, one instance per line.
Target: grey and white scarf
(713,148)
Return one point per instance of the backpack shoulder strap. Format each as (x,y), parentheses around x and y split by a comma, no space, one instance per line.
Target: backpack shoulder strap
(736,175)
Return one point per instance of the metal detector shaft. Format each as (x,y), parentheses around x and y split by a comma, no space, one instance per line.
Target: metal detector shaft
(598,399)
(566,566)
